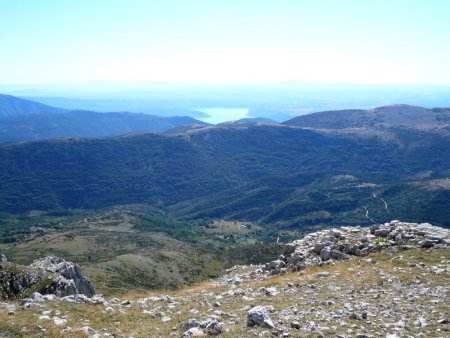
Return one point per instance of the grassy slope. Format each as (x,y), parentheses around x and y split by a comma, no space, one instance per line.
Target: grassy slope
(134,247)
(349,282)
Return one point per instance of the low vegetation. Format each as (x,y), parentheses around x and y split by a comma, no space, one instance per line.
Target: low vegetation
(306,295)
(135,247)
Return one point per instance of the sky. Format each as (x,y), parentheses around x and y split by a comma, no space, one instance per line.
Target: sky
(230,41)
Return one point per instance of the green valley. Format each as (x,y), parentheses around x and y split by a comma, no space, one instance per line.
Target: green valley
(164,210)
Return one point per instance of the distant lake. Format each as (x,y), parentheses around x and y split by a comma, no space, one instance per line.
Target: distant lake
(220,114)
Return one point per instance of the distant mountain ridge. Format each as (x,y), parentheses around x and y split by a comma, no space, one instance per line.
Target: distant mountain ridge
(24,120)
(86,124)
(12,106)
(134,105)
(398,115)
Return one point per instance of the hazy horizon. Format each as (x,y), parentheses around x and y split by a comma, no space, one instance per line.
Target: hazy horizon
(270,59)
(217,42)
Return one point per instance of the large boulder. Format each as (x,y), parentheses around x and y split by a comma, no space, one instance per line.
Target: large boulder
(258,316)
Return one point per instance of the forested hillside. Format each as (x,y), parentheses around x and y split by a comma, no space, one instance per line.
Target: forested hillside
(274,174)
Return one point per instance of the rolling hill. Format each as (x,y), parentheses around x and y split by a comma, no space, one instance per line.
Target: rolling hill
(391,116)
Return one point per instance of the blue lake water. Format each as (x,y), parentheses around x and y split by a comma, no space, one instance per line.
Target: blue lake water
(220,114)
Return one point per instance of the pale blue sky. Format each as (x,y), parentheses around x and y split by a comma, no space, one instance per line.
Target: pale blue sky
(233,41)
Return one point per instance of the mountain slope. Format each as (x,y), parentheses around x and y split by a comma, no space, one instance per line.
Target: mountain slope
(381,117)
(268,173)
(12,106)
(85,124)
(399,287)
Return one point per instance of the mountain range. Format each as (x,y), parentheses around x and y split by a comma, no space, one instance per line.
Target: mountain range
(25,120)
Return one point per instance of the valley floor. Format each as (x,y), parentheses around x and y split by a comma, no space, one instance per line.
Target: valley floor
(390,293)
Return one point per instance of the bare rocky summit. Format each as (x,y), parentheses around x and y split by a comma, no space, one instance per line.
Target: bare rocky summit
(389,280)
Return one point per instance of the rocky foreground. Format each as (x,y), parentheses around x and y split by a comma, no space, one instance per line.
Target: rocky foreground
(344,243)
(49,276)
(390,280)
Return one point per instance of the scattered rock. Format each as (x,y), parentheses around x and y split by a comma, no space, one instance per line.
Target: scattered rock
(420,322)
(88,331)
(387,307)
(76,298)
(323,274)
(348,242)
(110,309)
(165,319)
(59,321)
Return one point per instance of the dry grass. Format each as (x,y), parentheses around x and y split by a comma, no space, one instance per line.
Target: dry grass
(357,274)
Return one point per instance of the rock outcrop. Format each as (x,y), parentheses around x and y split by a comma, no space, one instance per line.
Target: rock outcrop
(49,275)
(342,243)
(347,242)
(70,280)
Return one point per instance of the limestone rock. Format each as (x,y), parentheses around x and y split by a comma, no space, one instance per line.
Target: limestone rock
(213,327)
(325,254)
(258,316)
(295,325)
(192,322)
(71,281)
(59,321)
(347,242)
(49,275)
